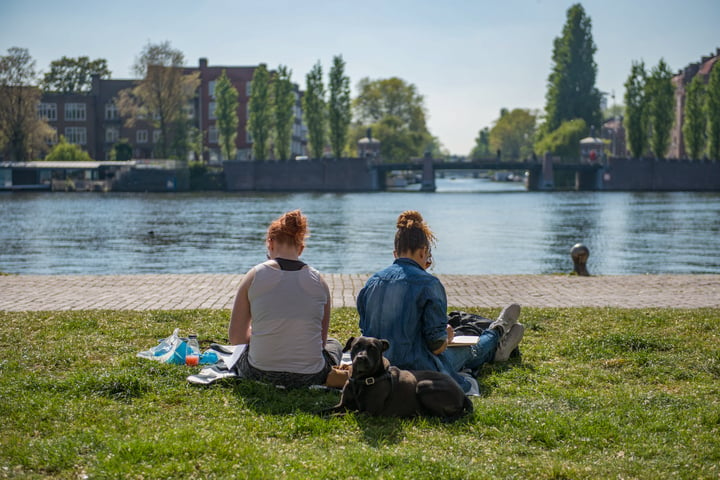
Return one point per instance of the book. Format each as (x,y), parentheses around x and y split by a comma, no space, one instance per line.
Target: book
(463,340)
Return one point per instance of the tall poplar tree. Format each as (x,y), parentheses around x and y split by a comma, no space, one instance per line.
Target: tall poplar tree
(284,101)
(260,117)
(226,105)
(339,112)
(161,96)
(694,126)
(712,109)
(571,85)
(635,110)
(660,95)
(315,110)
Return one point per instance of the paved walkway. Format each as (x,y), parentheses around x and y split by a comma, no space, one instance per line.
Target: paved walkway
(214,291)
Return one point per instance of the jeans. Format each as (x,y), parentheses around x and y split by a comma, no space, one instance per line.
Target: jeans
(473,356)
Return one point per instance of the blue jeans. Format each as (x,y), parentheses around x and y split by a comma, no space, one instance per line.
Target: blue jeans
(473,356)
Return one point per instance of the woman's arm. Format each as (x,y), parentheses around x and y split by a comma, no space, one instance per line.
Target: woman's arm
(240,330)
(326,312)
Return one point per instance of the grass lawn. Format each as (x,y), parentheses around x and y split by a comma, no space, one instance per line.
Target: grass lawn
(598,393)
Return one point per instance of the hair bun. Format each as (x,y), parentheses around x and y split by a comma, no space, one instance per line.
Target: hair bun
(292,227)
(410,219)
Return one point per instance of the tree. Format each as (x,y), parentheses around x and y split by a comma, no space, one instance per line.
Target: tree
(73,75)
(67,152)
(393,107)
(564,141)
(660,96)
(260,116)
(513,134)
(339,112)
(22,134)
(284,101)
(571,85)
(712,111)
(636,110)
(161,97)
(315,110)
(226,105)
(482,145)
(693,128)
(121,151)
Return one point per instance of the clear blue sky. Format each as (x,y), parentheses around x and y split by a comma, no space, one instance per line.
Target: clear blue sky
(469,58)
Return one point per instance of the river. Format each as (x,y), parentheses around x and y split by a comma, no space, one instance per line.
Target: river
(482,227)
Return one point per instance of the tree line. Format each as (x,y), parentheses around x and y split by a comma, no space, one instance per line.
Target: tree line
(391,108)
(572,107)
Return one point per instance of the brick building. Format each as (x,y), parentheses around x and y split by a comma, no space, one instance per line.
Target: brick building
(681,81)
(92,120)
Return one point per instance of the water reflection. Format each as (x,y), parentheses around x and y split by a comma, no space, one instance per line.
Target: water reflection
(480,230)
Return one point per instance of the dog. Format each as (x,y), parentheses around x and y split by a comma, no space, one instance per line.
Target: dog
(379,389)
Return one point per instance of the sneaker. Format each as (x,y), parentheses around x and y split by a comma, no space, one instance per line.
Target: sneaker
(509,343)
(507,318)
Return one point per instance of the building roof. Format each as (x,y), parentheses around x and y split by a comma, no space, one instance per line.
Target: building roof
(65,165)
(708,65)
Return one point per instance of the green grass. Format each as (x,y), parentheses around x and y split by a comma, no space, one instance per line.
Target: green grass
(599,393)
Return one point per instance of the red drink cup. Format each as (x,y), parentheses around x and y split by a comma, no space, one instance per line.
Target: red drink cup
(192,360)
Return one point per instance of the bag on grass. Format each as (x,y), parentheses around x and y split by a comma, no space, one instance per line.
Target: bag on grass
(169,350)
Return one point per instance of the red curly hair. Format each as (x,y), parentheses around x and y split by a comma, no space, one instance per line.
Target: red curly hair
(290,229)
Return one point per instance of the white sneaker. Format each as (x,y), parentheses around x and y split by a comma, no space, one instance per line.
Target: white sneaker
(507,318)
(509,342)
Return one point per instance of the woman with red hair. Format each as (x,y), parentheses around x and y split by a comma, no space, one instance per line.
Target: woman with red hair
(282,313)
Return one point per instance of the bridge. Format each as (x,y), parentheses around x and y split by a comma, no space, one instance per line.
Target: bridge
(540,173)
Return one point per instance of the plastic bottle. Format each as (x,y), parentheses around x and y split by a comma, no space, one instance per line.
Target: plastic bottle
(192,352)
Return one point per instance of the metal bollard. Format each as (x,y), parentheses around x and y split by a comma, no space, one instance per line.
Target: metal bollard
(580,254)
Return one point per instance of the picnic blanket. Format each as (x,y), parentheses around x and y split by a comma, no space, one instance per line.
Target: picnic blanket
(228,356)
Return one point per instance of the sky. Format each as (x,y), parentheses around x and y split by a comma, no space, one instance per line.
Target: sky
(468,58)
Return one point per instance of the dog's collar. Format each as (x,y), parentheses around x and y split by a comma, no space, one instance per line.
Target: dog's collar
(368,381)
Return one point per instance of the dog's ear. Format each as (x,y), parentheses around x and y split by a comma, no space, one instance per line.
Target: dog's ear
(385,344)
(348,344)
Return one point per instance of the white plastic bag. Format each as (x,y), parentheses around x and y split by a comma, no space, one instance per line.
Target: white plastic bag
(169,350)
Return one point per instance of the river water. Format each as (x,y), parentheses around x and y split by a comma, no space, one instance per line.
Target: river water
(482,228)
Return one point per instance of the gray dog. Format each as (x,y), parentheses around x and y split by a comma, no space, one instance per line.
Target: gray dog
(379,389)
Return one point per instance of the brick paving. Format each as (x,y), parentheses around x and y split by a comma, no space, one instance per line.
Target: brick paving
(216,291)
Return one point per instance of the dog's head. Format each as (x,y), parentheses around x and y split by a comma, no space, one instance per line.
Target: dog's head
(367,356)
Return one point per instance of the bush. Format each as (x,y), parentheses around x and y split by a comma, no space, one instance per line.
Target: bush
(563,141)
(67,152)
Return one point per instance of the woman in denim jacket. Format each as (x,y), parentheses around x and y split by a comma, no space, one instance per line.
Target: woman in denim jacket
(407,306)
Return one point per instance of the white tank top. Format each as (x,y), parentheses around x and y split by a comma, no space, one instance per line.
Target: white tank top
(287,310)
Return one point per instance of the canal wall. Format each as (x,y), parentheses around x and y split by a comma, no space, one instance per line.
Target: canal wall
(645,174)
(152,180)
(322,175)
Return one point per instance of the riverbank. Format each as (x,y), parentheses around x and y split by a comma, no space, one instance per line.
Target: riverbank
(217,291)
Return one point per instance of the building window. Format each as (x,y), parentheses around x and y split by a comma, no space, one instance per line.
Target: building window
(47,111)
(248,88)
(189,110)
(141,136)
(76,135)
(75,111)
(212,135)
(111,111)
(211,110)
(112,134)
(211,88)
(156,135)
(52,137)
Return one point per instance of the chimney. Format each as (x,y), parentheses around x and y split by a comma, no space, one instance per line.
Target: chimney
(203,63)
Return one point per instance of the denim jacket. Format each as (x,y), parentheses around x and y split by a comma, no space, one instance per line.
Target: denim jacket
(407,306)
